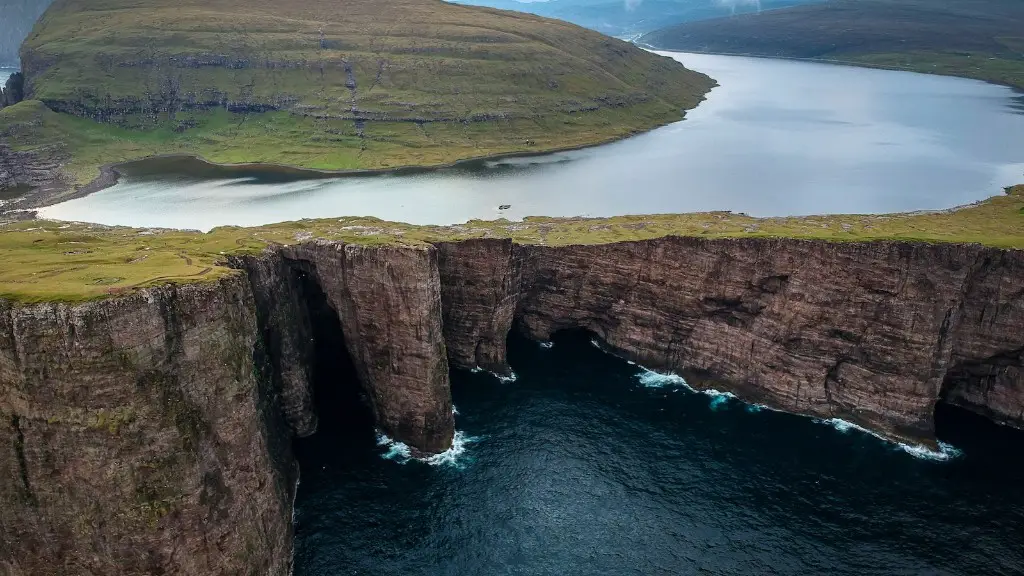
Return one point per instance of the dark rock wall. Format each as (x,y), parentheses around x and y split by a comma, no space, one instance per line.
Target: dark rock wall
(861,331)
(388,299)
(480,290)
(151,433)
(136,438)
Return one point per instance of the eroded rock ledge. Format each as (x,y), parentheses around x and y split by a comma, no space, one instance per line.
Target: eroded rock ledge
(150,433)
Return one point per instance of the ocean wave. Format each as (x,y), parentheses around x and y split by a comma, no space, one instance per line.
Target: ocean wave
(503,378)
(454,456)
(401,453)
(397,451)
(944,452)
(652,379)
(455,411)
(547,345)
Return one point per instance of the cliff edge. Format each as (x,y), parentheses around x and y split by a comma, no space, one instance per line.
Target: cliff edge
(146,425)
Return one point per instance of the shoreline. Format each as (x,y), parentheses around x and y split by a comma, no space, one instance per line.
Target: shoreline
(847,63)
(110,173)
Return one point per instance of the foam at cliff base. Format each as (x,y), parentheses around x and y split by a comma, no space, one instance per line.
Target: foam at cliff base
(653,379)
(945,451)
(511,377)
(719,400)
(401,453)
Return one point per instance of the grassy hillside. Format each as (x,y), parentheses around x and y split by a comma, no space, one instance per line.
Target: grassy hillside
(327,84)
(45,260)
(981,39)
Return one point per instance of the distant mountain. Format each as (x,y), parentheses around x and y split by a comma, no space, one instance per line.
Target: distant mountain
(631,17)
(16,20)
(981,39)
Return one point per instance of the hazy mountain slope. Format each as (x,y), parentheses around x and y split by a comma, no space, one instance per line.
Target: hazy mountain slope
(630,17)
(976,38)
(16,20)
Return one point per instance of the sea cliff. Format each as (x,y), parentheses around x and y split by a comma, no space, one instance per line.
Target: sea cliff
(149,432)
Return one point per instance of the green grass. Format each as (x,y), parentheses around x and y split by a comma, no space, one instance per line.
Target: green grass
(57,261)
(82,146)
(363,84)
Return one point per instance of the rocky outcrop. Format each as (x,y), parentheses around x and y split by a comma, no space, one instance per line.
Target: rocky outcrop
(30,172)
(13,90)
(150,433)
(136,437)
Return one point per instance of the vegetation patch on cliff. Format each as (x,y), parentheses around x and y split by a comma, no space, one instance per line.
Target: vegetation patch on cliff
(46,260)
(364,84)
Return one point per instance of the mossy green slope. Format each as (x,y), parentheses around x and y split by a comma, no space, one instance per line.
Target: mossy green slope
(46,260)
(360,84)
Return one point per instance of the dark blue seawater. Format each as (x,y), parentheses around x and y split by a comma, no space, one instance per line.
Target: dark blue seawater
(578,467)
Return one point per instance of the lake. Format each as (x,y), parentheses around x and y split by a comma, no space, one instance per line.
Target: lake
(775,138)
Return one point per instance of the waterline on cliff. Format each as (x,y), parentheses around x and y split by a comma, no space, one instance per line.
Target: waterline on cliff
(402,454)
(653,379)
(944,452)
(503,378)
(720,400)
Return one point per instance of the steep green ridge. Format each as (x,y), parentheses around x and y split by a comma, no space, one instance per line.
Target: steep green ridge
(330,85)
(981,39)
(46,260)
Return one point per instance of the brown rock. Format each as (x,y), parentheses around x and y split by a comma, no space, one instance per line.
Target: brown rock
(151,433)
(136,438)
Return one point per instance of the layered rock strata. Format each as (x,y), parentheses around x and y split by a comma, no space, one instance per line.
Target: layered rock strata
(150,433)
(138,436)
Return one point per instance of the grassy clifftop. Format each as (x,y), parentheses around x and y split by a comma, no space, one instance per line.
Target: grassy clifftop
(326,84)
(45,260)
(981,39)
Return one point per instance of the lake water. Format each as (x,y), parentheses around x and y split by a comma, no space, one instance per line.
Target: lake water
(776,138)
(588,465)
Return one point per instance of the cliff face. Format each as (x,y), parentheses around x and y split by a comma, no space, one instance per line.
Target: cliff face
(388,300)
(864,332)
(150,433)
(136,438)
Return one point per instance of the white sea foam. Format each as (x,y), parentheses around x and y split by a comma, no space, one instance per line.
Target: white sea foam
(945,451)
(401,453)
(503,378)
(453,456)
(455,411)
(719,402)
(653,379)
(397,451)
(547,345)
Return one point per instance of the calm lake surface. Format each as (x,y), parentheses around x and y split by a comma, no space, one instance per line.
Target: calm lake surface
(588,465)
(776,138)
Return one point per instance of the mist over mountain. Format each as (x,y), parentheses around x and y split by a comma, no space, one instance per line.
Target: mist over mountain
(16,20)
(630,17)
